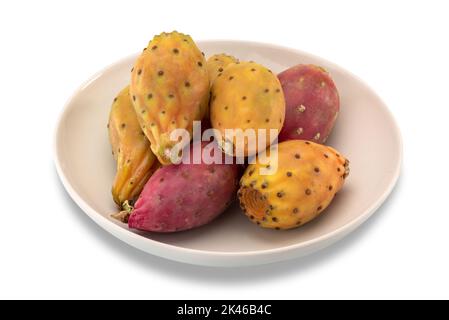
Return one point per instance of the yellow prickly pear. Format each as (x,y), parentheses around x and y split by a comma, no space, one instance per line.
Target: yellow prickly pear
(131,150)
(170,89)
(247,96)
(217,63)
(302,184)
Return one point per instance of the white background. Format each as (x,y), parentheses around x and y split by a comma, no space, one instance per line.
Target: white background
(51,249)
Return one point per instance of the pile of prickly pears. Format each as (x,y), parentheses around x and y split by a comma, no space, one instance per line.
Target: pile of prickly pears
(262,140)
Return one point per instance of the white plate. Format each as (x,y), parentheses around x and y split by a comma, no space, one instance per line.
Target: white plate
(365,132)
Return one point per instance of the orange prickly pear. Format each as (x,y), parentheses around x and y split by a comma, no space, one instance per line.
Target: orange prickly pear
(302,184)
(131,149)
(169,89)
(217,63)
(247,96)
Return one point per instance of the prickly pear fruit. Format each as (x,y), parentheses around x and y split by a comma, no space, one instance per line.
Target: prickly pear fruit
(307,178)
(184,196)
(169,88)
(247,96)
(217,63)
(312,103)
(131,150)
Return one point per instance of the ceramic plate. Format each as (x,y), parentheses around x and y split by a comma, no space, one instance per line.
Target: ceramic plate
(365,132)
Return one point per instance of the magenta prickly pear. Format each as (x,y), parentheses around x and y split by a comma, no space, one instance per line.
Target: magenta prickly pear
(312,103)
(184,196)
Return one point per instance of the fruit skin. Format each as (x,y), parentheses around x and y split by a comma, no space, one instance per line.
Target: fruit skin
(131,149)
(217,63)
(184,196)
(247,96)
(169,88)
(312,103)
(308,177)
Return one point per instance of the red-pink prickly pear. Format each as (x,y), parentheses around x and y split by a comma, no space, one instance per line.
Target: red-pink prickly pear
(312,103)
(184,196)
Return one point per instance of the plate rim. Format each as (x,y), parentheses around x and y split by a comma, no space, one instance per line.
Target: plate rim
(123,233)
